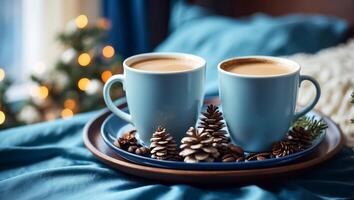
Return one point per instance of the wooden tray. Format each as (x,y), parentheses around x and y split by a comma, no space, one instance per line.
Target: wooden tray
(92,138)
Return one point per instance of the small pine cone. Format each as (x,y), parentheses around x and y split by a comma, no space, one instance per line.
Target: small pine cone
(163,146)
(221,141)
(128,139)
(197,147)
(212,123)
(296,140)
(259,156)
(300,136)
(284,148)
(234,154)
(212,119)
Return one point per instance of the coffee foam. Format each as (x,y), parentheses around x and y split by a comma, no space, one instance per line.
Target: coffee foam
(256,67)
(165,64)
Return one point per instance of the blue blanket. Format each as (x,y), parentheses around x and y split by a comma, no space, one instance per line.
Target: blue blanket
(49,161)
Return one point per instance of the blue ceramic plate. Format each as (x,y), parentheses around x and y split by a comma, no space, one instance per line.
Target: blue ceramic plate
(113,127)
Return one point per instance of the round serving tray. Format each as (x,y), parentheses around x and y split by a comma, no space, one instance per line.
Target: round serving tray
(331,145)
(114,127)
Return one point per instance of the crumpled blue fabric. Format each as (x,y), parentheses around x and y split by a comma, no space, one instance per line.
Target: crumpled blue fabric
(49,161)
(197,31)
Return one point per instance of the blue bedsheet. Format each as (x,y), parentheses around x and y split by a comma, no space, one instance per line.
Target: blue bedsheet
(49,161)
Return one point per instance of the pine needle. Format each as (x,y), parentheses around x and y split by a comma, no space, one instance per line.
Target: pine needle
(312,125)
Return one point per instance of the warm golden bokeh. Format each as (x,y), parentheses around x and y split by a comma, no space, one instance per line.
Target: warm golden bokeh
(84,59)
(70,103)
(108,51)
(106,75)
(104,23)
(50,116)
(43,92)
(81,21)
(67,113)
(2,74)
(83,83)
(2,117)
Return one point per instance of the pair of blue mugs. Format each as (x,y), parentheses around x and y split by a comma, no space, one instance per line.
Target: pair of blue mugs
(258,110)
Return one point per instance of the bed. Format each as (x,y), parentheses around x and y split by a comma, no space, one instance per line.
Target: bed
(49,160)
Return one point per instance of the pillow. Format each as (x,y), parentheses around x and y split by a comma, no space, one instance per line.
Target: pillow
(196,31)
(333,69)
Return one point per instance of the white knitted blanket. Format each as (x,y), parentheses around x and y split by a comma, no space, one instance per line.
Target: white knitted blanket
(334,70)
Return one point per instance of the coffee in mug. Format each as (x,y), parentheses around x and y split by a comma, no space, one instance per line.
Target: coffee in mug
(258,97)
(256,67)
(168,64)
(162,89)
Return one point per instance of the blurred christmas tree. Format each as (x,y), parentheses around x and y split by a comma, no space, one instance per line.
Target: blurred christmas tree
(7,116)
(352,120)
(75,83)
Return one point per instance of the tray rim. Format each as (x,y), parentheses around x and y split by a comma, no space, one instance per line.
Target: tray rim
(204,166)
(241,173)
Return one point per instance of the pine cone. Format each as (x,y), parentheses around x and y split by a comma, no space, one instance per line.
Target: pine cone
(212,123)
(297,140)
(128,139)
(301,136)
(234,154)
(259,156)
(284,148)
(163,146)
(197,147)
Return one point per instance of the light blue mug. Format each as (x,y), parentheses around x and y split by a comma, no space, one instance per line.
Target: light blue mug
(258,110)
(169,99)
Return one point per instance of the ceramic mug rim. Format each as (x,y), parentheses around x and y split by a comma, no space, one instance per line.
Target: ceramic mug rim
(127,62)
(296,66)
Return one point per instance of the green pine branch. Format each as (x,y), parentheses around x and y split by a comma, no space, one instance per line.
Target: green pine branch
(63,78)
(311,124)
(5,106)
(76,39)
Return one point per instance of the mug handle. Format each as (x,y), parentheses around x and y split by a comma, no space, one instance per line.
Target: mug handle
(314,102)
(107,98)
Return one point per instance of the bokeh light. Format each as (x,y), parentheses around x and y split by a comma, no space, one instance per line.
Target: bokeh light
(81,21)
(108,51)
(106,75)
(83,83)
(2,117)
(70,103)
(43,92)
(50,116)
(2,74)
(66,113)
(84,59)
(104,23)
